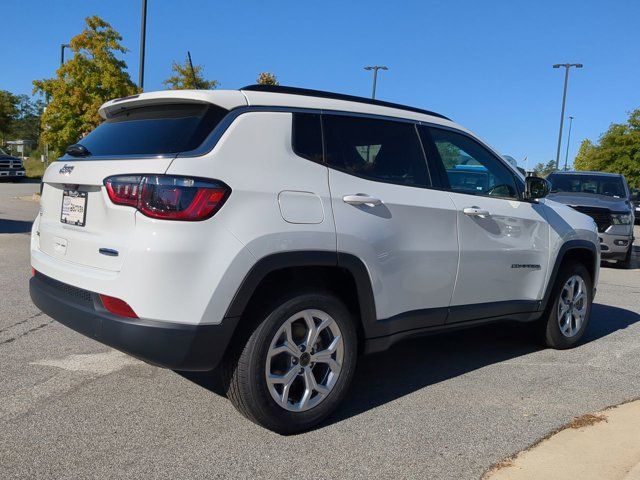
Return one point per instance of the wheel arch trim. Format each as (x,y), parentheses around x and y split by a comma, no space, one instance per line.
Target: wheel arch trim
(569,246)
(307,258)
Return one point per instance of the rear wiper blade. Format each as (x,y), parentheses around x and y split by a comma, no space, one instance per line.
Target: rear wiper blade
(77,150)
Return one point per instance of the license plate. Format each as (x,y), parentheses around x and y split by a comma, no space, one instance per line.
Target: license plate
(74,207)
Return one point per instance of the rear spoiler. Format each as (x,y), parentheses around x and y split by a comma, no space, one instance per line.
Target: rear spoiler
(227,99)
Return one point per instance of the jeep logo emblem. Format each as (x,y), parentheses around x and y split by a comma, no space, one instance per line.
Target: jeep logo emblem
(67,169)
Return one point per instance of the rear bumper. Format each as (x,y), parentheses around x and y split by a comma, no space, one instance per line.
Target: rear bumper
(170,345)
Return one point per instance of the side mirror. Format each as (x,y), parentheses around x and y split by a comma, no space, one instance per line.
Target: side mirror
(536,187)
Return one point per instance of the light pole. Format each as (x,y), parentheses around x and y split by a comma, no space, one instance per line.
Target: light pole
(566,157)
(566,66)
(375,69)
(62,47)
(143,33)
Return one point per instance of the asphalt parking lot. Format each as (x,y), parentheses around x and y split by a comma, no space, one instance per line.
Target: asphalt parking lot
(441,407)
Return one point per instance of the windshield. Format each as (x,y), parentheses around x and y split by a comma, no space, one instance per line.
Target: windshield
(153,130)
(594,184)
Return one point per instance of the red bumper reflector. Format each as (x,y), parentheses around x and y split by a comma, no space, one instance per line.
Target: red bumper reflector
(117,306)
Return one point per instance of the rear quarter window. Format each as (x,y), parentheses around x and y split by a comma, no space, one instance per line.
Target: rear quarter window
(306,136)
(153,130)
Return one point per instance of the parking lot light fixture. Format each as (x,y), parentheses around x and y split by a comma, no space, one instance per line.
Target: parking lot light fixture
(566,66)
(566,157)
(143,37)
(375,69)
(62,47)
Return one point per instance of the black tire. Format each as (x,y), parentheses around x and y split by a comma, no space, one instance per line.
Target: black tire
(553,336)
(626,263)
(243,371)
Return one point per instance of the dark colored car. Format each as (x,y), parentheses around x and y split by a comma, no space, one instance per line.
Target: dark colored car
(11,167)
(606,198)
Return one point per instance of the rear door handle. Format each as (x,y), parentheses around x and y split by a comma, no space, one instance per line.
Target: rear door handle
(362,199)
(476,212)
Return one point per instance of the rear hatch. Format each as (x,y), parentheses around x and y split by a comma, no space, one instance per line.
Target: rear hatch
(78,221)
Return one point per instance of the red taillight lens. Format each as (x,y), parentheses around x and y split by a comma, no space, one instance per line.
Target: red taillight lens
(168,197)
(124,190)
(117,306)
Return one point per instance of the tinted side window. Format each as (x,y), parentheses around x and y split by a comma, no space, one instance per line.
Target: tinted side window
(307,136)
(470,168)
(378,150)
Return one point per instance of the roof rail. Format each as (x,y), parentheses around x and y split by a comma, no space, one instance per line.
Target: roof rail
(337,96)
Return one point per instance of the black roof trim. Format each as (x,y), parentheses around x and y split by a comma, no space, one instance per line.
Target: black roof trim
(336,96)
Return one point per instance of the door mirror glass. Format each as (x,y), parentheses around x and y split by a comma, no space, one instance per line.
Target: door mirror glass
(536,187)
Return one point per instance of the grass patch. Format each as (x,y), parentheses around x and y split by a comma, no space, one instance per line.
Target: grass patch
(34,168)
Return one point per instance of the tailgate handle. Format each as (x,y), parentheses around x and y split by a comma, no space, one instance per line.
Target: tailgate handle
(109,252)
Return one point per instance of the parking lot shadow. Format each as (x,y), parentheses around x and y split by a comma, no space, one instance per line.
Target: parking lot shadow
(14,226)
(415,364)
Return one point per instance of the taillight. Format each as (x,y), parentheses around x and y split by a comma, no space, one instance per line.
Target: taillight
(168,197)
(117,306)
(124,190)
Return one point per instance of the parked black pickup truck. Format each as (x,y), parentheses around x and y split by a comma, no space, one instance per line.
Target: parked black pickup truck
(11,167)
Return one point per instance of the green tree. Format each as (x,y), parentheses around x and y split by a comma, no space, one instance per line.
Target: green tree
(544,169)
(617,151)
(94,75)
(266,78)
(185,78)
(26,125)
(449,153)
(8,113)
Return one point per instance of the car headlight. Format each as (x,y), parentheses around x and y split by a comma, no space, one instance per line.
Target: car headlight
(621,218)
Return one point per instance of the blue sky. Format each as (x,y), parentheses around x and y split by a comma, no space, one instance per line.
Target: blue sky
(486,64)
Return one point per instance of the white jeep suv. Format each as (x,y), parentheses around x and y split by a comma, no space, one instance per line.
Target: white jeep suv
(278,233)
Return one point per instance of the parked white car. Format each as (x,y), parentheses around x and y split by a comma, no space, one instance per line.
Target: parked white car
(281,232)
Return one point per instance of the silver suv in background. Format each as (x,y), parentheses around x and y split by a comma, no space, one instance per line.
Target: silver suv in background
(606,198)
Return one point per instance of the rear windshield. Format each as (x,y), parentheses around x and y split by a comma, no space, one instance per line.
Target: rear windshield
(153,130)
(594,184)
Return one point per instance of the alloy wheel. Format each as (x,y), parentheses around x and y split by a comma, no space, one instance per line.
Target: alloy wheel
(572,306)
(304,360)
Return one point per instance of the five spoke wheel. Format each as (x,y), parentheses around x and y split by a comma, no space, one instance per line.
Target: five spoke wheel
(304,360)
